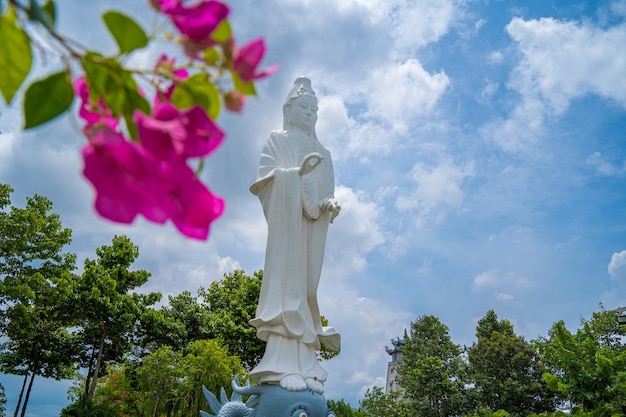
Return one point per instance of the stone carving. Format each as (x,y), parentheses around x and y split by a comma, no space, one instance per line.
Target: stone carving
(266,400)
(295,184)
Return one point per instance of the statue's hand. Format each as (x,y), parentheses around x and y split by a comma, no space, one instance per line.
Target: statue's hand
(310,162)
(330,204)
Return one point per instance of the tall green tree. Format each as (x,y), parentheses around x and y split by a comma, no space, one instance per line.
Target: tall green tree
(506,371)
(376,403)
(221,311)
(231,304)
(167,382)
(110,310)
(430,369)
(588,367)
(175,325)
(3,401)
(36,280)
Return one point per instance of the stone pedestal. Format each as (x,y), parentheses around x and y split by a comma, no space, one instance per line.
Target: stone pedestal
(267,400)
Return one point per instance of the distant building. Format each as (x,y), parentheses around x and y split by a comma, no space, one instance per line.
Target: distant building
(392,367)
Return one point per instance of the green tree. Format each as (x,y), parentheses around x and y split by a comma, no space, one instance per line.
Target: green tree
(430,369)
(506,371)
(183,320)
(3,402)
(342,409)
(231,304)
(376,403)
(110,312)
(220,311)
(588,367)
(167,382)
(36,280)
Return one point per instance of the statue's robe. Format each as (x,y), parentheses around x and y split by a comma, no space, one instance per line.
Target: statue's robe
(288,316)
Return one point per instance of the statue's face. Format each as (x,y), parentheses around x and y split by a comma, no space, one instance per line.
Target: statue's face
(303,113)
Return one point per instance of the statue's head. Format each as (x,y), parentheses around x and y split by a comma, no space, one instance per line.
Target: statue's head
(300,107)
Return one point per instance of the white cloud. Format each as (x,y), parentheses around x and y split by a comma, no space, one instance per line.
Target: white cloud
(487,92)
(347,138)
(605,167)
(495,57)
(503,297)
(437,188)
(354,234)
(619,7)
(400,93)
(366,325)
(7,144)
(617,266)
(563,60)
(493,278)
(418,23)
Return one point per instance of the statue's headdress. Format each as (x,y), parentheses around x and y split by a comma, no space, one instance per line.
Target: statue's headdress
(301,88)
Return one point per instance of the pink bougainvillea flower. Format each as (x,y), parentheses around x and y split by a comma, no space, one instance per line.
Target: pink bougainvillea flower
(166,6)
(197,21)
(171,132)
(125,176)
(247,59)
(167,66)
(188,202)
(92,113)
(129,181)
(235,100)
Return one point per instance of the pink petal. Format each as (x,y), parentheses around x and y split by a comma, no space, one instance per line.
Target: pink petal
(203,135)
(122,174)
(164,134)
(248,59)
(192,207)
(200,20)
(91,113)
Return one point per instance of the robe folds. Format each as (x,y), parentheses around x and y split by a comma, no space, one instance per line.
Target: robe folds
(288,316)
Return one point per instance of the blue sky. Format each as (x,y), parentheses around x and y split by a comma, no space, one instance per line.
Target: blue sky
(480,160)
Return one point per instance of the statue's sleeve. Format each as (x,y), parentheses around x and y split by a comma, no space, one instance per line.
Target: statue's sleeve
(269,163)
(317,186)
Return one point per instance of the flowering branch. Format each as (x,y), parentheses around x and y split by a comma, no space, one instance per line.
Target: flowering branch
(138,151)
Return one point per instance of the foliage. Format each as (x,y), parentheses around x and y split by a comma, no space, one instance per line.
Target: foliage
(168,382)
(588,367)
(3,401)
(36,283)
(138,150)
(342,409)
(220,311)
(109,311)
(378,404)
(430,370)
(506,371)
(231,304)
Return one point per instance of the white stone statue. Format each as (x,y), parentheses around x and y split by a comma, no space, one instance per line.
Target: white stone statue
(295,184)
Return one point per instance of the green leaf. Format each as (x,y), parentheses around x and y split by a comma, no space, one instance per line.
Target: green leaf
(246,88)
(15,57)
(222,32)
(211,56)
(197,90)
(50,9)
(38,14)
(127,33)
(107,80)
(131,126)
(46,99)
